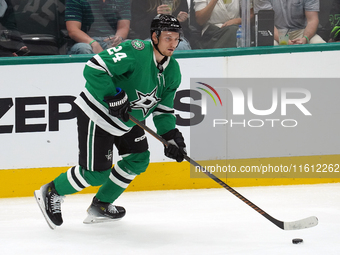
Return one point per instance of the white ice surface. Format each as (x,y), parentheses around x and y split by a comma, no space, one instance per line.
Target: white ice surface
(209,222)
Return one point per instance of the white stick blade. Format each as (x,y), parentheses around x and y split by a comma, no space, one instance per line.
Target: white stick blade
(301,224)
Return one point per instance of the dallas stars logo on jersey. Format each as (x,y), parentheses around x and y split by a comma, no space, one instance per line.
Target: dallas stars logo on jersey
(145,102)
(132,67)
(138,45)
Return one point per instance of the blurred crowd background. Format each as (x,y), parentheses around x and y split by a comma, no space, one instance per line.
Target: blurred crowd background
(39,27)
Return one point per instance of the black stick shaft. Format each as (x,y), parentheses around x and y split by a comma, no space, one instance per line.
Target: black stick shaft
(278,223)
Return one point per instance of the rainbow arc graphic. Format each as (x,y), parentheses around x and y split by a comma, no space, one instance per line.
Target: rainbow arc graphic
(204,100)
(209,93)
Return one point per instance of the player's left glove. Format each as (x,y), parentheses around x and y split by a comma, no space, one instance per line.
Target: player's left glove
(177,148)
(119,105)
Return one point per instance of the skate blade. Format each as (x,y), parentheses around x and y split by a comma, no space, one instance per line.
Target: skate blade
(40,201)
(90,219)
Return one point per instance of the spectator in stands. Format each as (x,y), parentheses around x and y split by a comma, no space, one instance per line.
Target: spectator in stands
(220,20)
(96,25)
(301,18)
(334,19)
(11,43)
(143,12)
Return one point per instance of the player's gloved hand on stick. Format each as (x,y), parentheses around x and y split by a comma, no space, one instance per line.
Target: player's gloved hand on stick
(177,148)
(119,105)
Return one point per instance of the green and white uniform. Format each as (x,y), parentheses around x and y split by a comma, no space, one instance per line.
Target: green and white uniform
(151,89)
(132,67)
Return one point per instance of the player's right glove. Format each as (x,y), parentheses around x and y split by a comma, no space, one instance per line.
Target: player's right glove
(119,105)
(176,148)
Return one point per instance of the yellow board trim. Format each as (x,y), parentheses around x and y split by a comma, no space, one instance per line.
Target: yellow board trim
(165,176)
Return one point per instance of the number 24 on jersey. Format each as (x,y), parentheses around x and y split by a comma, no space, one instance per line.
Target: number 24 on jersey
(117,55)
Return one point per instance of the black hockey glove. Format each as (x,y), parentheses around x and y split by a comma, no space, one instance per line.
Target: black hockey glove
(119,105)
(177,148)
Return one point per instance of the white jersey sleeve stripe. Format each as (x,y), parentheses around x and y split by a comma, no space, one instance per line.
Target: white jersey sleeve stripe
(160,113)
(164,108)
(100,115)
(96,62)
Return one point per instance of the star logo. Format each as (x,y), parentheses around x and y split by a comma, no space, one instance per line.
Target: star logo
(145,102)
(109,155)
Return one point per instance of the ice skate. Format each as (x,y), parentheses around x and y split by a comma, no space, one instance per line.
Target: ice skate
(49,202)
(103,212)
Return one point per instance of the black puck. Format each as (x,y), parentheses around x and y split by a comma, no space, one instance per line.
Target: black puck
(297,240)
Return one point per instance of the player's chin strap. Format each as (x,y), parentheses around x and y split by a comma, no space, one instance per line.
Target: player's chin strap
(160,64)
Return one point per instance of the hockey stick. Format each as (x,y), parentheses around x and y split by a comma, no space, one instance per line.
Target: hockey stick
(293,225)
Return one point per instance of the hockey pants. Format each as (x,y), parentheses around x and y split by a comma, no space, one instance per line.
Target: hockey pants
(95,161)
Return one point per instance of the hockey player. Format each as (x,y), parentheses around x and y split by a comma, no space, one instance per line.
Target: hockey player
(138,78)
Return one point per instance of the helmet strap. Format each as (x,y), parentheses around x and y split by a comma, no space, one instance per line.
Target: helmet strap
(160,64)
(156,45)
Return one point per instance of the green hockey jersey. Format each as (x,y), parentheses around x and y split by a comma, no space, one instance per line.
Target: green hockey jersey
(132,67)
